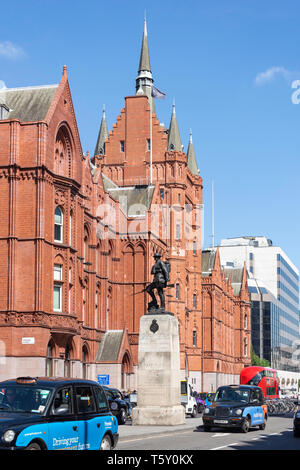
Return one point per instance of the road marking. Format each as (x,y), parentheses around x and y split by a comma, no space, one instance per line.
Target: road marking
(228,445)
(153,436)
(221,434)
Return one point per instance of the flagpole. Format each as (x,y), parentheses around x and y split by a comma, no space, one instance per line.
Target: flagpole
(151,138)
(213,213)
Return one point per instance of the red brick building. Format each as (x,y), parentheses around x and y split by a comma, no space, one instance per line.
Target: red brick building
(78,236)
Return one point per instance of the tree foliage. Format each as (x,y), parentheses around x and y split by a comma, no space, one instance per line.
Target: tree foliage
(256,361)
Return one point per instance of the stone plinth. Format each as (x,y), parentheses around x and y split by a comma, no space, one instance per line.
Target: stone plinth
(158,373)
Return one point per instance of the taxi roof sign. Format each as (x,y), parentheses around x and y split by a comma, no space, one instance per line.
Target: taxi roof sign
(26,380)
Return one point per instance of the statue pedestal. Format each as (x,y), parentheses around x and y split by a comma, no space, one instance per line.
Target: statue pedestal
(158,389)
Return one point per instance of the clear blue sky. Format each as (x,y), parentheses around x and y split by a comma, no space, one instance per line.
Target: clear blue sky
(228,64)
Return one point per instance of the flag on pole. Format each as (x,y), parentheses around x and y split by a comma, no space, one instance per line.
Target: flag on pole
(157,93)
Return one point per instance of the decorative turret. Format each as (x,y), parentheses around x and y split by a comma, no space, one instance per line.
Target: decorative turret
(103,134)
(174,141)
(144,79)
(191,158)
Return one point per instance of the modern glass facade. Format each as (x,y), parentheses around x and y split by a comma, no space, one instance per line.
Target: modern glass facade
(274,333)
(273,283)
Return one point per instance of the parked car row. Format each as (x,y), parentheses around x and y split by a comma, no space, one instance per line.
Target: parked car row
(119,406)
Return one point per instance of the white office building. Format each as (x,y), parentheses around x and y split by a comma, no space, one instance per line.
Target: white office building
(273,282)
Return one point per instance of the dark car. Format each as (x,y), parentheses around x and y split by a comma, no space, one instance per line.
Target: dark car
(118,406)
(55,414)
(296,424)
(236,406)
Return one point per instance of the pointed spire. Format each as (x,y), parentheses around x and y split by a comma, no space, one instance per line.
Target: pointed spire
(144,79)
(103,134)
(144,57)
(191,157)
(174,141)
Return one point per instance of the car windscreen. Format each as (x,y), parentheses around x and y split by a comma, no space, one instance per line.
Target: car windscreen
(16,398)
(229,394)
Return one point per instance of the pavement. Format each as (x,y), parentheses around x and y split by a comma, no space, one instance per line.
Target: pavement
(131,431)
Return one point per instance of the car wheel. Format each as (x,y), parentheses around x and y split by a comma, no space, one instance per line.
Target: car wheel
(246,425)
(263,425)
(33,446)
(106,443)
(122,416)
(194,413)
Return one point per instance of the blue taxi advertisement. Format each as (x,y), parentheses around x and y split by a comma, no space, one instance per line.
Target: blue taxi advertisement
(236,406)
(55,414)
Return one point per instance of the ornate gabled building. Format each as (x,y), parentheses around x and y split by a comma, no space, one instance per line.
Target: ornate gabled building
(226,321)
(78,236)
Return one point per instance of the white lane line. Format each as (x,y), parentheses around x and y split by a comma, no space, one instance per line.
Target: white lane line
(228,445)
(153,436)
(221,434)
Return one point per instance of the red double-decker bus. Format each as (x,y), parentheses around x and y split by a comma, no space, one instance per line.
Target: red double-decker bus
(264,377)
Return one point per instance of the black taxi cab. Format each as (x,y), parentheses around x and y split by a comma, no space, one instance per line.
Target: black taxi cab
(236,406)
(55,414)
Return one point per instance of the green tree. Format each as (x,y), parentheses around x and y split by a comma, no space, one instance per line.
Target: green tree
(256,361)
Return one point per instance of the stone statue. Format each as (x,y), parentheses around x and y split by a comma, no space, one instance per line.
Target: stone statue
(160,271)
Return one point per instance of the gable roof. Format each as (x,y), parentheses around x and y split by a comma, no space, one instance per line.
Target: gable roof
(110,346)
(208,261)
(236,278)
(29,103)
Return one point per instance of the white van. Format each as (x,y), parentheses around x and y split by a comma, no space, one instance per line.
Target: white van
(187,399)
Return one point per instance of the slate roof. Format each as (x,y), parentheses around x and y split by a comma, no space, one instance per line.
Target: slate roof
(28,104)
(208,261)
(144,57)
(191,158)
(174,140)
(102,136)
(110,345)
(236,278)
(134,200)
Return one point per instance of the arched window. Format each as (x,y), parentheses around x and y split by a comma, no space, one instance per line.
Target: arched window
(70,228)
(97,320)
(177,287)
(194,338)
(58,225)
(63,152)
(245,347)
(70,300)
(57,287)
(86,237)
(125,371)
(245,322)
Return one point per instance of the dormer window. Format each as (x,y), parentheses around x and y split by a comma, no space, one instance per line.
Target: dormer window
(4,110)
